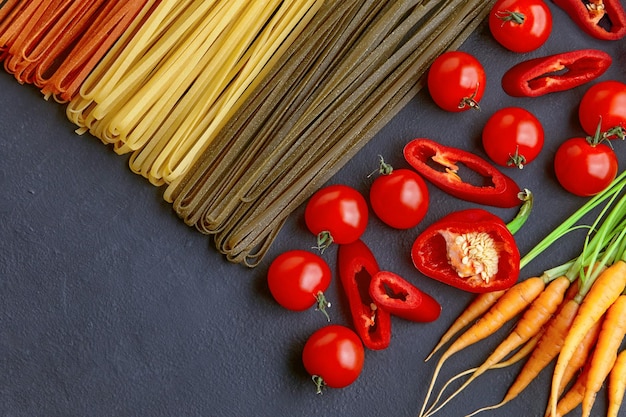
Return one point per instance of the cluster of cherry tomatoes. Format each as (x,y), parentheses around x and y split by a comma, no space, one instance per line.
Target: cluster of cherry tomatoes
(513,136)
(297,279)
(586,165)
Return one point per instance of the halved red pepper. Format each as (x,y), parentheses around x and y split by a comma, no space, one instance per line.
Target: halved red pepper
(399,297)
(499,189)
(558,72)
(357,265)
(602,19)
(471,249)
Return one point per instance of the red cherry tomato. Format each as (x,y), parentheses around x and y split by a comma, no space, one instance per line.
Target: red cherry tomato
(584,168)
(336,213)
(456,81)
(297,280)
(520,25)
(513,137)
(334,356)
(604,101)
(399,197)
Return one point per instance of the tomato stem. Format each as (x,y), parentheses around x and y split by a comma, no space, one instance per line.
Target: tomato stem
(617,131)
(597,137)
(516,159)
(324,240)
(385,168)
(509,16)
(319,384)
(471,100)
(322,304)
(600,136)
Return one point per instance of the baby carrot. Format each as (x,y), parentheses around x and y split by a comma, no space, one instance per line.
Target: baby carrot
(537,315)
(523,352)
(529,325)
(580,357)
(573,397)
(617,385)
(511,303)
(604,291)
(546,350)
(609,340)
(479,305)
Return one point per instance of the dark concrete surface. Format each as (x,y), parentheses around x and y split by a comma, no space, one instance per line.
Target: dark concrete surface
(111,306)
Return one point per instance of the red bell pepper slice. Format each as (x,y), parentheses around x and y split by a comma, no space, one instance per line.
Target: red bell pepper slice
(357,265)
(471,249)
(602,19)
(499,190)
(553,73)
(399,297)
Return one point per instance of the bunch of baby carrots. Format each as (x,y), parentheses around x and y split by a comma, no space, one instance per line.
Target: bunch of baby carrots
(574,314)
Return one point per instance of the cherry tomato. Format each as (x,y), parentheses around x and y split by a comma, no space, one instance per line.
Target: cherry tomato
(297,280)
(584,167)
(336,213)
(606,100)
(456,81)
(513,136)
(520,25)
(334,356)
(399,197)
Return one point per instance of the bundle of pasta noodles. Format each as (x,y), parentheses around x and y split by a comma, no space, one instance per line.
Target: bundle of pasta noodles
(241,108)
(349,72)
(56,44)
(169,85)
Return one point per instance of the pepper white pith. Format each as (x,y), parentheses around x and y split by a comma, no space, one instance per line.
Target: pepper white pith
(472,255)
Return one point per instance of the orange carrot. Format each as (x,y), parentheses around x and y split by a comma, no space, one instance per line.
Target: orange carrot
(573,397)
(510,304)
(546,350)
(523,352)
(617,385)
(537,315)
(580,357)
(609,340)
(529,325)
(479,305)
(605,290)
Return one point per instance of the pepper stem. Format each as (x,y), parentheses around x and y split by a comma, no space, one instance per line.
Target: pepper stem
(322,304)
(524,212)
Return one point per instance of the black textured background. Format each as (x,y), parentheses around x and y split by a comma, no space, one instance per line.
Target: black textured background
(111,306)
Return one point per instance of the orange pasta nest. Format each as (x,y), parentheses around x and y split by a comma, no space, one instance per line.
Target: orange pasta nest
(56,44)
